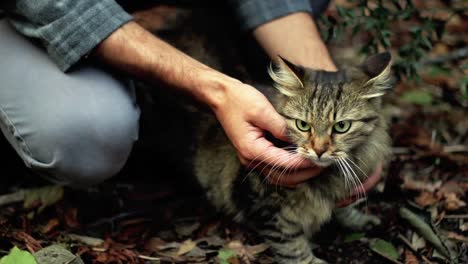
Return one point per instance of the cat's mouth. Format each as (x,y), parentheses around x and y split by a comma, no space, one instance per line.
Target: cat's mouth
(322,162)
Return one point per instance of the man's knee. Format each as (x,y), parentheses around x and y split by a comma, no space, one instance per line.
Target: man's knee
(84,145)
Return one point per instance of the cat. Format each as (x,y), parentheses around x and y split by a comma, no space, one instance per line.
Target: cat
(334,119)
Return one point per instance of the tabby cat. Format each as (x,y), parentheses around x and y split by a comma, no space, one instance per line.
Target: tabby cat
(335,120)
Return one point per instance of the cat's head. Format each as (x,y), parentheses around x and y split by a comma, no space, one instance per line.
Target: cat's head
(330,114)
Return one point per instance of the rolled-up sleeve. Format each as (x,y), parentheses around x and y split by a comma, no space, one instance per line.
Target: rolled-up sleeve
(253,13)
(68,29)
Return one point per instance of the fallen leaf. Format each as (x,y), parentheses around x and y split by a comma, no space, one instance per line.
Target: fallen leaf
(417,241)
(452,202)
(51,224)
(186,247)
(426,198)
(224,255)
(425,230)
(464,227)
(384,248)
(90,241)
(353,236)
(46,195)
(17,256)
(410,184)
(410,258)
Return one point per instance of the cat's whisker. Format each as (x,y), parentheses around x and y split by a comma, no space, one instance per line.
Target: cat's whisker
(287,170)
(359,168)
(360,188)
(340,169)
(275,165)
(348,174)
(273,159)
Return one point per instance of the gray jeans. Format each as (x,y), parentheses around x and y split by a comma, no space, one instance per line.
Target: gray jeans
(76,128)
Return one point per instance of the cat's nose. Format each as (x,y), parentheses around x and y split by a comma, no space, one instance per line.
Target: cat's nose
(320,151)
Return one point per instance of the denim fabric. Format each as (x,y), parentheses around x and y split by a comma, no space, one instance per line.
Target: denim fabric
(76,128)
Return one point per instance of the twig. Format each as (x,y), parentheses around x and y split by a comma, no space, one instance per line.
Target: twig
(461,216)
(148,258)
(425,259)
(453,55)
(402,238)
(455,148)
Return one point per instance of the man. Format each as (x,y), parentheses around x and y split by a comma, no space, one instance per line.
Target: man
(78,127)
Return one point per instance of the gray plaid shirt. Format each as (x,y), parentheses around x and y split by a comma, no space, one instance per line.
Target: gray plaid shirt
(70,29)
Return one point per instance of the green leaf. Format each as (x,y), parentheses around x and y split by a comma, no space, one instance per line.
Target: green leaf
(463,82)
(353,237)
(17,256)
(223,255)
(419,97)
(47,195)
(437,70)
(384,248)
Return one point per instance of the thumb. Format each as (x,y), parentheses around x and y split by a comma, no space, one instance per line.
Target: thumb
(274,123)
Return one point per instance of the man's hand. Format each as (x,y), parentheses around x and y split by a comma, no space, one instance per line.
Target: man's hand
(245,115)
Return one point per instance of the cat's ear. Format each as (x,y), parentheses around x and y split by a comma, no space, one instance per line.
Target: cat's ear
(287,76)
(377,69)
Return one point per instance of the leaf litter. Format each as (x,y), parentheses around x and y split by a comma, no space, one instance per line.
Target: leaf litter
(148,220)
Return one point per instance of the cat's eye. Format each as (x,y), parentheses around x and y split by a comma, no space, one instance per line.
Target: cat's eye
(342,126)
(302,125)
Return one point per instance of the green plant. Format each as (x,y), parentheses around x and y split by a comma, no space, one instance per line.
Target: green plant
(375,21)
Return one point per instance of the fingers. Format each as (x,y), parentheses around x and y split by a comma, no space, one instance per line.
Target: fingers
(264,151)
(290,178)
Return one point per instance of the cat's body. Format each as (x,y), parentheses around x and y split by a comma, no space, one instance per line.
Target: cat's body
(316,104)
(286,217)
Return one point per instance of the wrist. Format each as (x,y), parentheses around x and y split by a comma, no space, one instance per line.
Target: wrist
(212,88)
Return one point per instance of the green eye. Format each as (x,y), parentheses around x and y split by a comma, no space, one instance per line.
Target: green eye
(302,125)
(342,126)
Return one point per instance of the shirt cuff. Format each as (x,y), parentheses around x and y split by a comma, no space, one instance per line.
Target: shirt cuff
(253,13)
(74,35)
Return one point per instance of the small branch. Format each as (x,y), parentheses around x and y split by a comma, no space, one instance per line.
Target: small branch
(462,216)
(453,55)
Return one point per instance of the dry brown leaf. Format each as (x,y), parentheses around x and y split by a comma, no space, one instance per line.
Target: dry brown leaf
(452,202)
(186,247)
(410,184)
(51,224)
(90,241)
(464,227)
(410,258)
(426,198)
(456,236)
(31,243)
(154,244)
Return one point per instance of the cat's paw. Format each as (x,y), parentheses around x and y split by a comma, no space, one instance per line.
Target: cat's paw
(354,219)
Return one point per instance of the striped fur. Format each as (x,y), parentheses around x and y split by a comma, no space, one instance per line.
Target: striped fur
(287,218)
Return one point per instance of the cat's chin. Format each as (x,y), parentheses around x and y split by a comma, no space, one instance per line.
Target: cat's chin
(322,163)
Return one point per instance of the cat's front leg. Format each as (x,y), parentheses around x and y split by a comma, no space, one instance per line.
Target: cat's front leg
(354,219)
(288,242)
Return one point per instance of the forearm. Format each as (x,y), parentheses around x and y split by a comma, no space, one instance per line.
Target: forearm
(296,38)
(134,50)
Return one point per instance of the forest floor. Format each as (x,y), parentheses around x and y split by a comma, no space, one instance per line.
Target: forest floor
(145,215)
